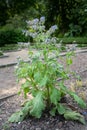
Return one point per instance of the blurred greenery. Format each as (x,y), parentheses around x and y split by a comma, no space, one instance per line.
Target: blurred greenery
(74,40)
(69,15)
(10,47)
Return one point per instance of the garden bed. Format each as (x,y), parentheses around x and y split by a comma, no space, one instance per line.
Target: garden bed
(13,104)
(46,122)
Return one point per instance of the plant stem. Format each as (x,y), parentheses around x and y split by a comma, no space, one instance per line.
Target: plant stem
(48,97)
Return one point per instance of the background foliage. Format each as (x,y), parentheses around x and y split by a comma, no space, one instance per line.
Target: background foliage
(69,15)
(10,35)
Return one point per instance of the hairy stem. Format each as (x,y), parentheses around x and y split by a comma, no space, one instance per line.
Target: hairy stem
(48,97)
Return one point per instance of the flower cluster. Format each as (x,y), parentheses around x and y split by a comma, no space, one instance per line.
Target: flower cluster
(53,29)
(37,30)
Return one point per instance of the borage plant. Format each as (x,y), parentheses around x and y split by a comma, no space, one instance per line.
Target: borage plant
(40,77)
(41,36)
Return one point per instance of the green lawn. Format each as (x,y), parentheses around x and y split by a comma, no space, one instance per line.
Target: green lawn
(81,41)
(9,47)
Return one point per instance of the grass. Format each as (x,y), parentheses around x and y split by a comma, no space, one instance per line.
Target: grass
(10,47)
(81,41)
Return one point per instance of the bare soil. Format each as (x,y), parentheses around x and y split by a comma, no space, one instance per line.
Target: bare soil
(10,105)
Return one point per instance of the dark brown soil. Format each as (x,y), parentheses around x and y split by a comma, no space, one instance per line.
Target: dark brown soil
(13,104)
(47,122)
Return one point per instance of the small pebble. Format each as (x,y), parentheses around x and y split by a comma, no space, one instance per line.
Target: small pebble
(38,128)
(60,124)
(65,122)
(19,123)
(47,122)
(0,119)
(84,113)
(32,128)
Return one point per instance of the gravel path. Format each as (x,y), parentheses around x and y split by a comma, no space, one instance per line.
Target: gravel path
(12,57)
(8,84)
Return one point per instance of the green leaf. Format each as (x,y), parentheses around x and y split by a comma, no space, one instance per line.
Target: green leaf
(25,88)
(30,53)
(72,115)
(37,105)
(37,76)
(16,117)
(55,96)
(61,109)
(69,61)
(27,107)
(43,81)
(53,111)
(63,89)
(81,103)
(20,115)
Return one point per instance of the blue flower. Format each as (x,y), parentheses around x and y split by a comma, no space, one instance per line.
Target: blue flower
(54,27)
(42,19)
(35,21)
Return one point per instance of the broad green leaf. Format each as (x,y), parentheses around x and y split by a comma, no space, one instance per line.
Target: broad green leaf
(37,105)
(72,115)
(55,95)
(20,115)
(44,81)
(40,79)
(27,107)
(78,99)
(16,117)
(63,89)
(61,109)
(37,76)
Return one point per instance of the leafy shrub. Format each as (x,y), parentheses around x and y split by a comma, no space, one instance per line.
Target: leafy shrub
(11,36)
(75,30)
(41,80)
